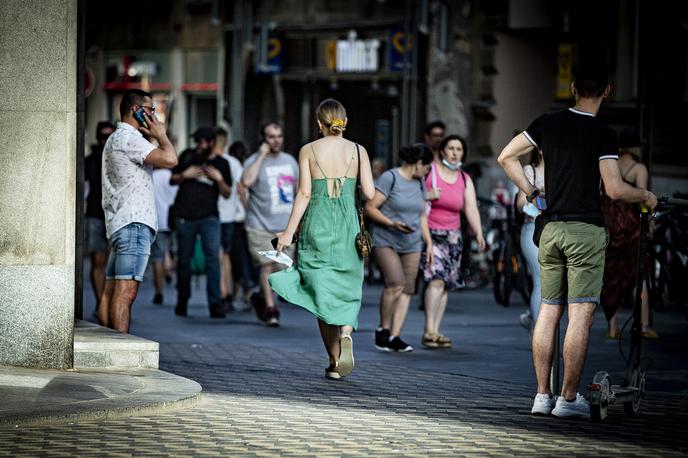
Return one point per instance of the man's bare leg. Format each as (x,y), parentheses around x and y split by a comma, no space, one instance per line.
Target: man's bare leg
(544,344)
(98,262)
(158,275)
(265,288)
(120,305)
(104,304)
(576,346)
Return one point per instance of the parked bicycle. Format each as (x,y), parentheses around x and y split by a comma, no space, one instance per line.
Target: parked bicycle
(508,267)
(668,255)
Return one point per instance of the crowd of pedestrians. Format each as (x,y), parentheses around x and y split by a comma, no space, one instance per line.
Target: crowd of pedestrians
(215,211)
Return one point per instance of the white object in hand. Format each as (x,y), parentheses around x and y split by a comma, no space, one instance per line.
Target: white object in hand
(531,210)
(280,258)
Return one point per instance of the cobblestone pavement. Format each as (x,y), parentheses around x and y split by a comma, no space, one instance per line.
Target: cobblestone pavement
(265,393)
(269,402)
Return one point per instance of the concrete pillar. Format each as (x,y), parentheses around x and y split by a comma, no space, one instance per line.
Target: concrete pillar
(38,46)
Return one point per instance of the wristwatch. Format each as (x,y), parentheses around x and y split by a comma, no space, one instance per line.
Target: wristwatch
(531,197)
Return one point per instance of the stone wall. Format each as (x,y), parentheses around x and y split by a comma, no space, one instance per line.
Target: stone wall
(37,181)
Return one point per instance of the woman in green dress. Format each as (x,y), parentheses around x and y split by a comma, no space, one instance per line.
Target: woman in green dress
(327,279)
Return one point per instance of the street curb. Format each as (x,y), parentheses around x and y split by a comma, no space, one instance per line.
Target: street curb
(162,391)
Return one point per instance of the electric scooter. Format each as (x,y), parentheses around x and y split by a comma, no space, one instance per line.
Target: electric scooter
(602,393)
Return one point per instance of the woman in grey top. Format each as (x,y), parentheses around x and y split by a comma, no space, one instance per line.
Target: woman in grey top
(399,229)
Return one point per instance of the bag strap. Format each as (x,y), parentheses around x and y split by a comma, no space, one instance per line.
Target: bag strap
(433,177)
(359,208)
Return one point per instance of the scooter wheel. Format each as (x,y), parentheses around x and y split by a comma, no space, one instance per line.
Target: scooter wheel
(599,396)
(632,407)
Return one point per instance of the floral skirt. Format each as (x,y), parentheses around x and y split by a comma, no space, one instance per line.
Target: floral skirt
(447,246)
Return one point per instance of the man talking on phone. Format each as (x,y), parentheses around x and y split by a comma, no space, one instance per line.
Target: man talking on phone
(129,202)
(270,176)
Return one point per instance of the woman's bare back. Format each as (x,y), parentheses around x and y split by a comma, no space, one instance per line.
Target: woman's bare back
(332,157)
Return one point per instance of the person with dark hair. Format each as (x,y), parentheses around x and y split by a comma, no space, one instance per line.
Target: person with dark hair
(244,274)
(230,210)
(434,133)
(535,173)
(129,203)
(622,221)
(578,151)
(95,240)
(399,229)
(202,175)
(270,176)
(328,277)
(451,192)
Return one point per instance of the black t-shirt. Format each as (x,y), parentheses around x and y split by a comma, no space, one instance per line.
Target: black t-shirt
(573,142)
(198,198)
(93,174)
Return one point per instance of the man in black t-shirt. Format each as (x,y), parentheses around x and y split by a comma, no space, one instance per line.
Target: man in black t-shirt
(95,241)
(202,175)
(578,151)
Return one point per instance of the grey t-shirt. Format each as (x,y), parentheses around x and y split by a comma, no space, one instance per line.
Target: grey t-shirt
(271,197)
(406,203)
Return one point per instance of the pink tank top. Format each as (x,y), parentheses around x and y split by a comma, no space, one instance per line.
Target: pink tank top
(445,212)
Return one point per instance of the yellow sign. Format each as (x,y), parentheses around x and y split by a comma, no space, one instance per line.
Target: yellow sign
(274,48)
(565,58)
(401,45)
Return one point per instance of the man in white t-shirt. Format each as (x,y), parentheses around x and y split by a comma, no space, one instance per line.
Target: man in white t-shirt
(129,202)
(228,209)
(164,198)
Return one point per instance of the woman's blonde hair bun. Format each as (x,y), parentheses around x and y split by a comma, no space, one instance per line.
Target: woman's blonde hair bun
(332,116)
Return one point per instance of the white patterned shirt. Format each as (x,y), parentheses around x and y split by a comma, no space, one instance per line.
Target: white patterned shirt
(127,182)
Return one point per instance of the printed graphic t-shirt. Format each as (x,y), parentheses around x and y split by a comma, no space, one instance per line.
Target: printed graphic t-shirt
(271,197)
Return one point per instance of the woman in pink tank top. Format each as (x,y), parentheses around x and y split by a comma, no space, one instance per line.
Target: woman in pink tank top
(450,191)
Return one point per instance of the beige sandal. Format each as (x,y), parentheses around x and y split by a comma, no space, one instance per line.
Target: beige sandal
(332,373)
(345,365)
(444,341)
(430,341)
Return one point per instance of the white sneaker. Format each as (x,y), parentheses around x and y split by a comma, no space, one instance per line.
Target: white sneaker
(543,404)
(578,408)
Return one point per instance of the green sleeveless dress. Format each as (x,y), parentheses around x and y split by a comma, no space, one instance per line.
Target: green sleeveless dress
(327,278)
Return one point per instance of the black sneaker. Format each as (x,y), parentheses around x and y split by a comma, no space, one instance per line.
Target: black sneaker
(382,339)
(157,299)
(258,304)
(397,344)
(180,310)
(272,317)
(227,303)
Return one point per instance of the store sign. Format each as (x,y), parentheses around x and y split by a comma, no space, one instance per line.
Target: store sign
(268,58)
(400,46)
(565,59)
(140,69)
(355,55)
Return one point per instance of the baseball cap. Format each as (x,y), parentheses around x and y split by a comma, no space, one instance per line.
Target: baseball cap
(204,133)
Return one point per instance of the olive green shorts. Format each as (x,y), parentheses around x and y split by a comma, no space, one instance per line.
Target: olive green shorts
(571,258)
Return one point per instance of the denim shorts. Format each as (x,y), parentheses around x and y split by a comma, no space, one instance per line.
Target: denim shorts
(130,248)
(95,239)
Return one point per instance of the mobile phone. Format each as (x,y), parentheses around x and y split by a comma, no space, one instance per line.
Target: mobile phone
(541,202)
(139,116)
(274,242)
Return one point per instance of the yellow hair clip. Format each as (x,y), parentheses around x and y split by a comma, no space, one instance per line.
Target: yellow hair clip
(337,123)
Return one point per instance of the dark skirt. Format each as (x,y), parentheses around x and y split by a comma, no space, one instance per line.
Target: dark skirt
(447,246)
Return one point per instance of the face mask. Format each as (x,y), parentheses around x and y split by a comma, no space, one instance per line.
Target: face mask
(450,166)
